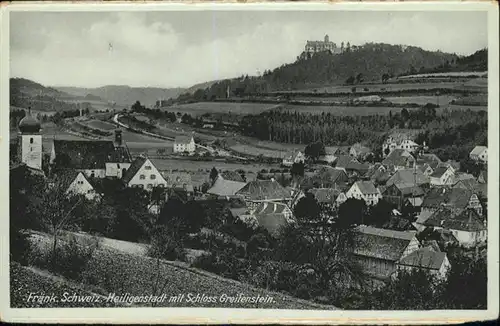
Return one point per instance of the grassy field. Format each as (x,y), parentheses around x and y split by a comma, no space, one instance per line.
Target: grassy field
(388,87)
(221,107)
(256,151)
(448,74)
(118,271)
(97,124)
(341,110)
(421,100)
(198,166)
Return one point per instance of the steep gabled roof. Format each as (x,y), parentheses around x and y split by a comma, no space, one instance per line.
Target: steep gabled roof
(456,198)
(183,139)
(134,168)
(223,187)
(478,150)
(66,177)
(464,220)
(381,243)
(89,154)
(424,258)
(366,187)
(398,157)
(343,160)
(325,195)
(264,190)
(362,150)
(231,176)
(438,172)
(408,176)
(331,150)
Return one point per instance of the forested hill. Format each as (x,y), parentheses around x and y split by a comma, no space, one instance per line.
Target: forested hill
(369,60)
(368,63)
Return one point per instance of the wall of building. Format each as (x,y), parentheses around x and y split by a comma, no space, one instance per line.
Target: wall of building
(181,147)
(147,177)
(80,186)
(30,150)
(115,170)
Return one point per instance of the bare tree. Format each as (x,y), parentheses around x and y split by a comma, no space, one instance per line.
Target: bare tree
(56,210)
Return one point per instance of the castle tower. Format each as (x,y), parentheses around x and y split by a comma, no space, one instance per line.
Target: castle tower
(30,142)
(327,39)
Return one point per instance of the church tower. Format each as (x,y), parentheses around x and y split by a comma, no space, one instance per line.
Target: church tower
(30,142)
(327,39)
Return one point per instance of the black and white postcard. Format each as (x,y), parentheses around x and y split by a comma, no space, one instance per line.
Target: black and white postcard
(249,163)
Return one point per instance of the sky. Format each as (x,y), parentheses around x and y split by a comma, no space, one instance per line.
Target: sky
(180,49)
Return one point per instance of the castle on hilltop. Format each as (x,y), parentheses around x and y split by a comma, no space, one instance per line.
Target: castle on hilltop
(323,46)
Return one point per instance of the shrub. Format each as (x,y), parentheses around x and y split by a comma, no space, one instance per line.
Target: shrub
(165,245)
(20,246)
(223,264)
(70,258)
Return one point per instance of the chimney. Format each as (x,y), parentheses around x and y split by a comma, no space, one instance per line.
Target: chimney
(118,137)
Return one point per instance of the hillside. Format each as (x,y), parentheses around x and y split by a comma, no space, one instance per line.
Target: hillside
(26,93)
(367,63)
(125,95)
(30,88)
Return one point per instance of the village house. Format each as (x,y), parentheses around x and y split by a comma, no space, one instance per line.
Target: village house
(295,157)
(144,174)
(483,177)
(399,142)
(427,259)
(479,154)
(95,158)
(359,151)
(328,196)
(399,193)
(331,153)
(481,189)
(378,251)
(179,180)
(258,191)
(409,177)
(399,159)
(343,161)
(231,176)
(327,177)
(75,183)
(442,176)
(365,190)
(356,169)
(183,144)
(378,174)
(223,188)
(456,199)
(466,226)
(273,216)
(427,163)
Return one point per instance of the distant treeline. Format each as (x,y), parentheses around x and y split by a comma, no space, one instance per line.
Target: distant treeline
(451,133)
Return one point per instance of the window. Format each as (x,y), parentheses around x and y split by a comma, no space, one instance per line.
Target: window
(31,140)
(152,176)
(147,167)
(142,177)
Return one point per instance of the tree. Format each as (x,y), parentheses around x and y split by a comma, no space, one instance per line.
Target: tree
(136,107)
(351,212)
(213,175)
(56,211)
(307,209)
(379,214)
(315,150)
(359,78)
(350,80)
(297,169)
